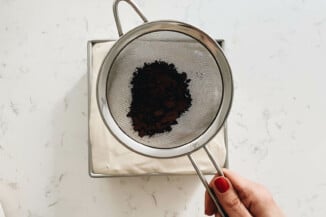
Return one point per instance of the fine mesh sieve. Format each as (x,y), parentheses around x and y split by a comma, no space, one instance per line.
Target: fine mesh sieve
(191,51)
(205,85)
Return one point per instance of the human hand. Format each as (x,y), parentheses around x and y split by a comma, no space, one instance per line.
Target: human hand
(240,197)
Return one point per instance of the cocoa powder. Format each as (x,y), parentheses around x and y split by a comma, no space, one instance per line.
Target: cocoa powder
(160,95)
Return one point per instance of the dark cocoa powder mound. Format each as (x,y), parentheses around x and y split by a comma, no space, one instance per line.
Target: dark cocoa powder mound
(159,96)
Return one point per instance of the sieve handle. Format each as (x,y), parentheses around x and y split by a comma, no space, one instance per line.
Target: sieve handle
(204,181)
(116,15)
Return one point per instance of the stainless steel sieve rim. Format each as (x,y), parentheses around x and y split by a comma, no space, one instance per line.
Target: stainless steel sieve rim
(221,61)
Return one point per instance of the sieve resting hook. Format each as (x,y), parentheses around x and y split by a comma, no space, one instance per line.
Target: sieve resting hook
(117,18)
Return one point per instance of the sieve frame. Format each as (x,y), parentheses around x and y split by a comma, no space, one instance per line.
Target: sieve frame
(221,61)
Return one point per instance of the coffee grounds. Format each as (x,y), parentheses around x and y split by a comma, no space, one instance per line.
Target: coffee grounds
(159,96)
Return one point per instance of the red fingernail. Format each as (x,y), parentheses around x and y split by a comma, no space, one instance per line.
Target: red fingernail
(222,184)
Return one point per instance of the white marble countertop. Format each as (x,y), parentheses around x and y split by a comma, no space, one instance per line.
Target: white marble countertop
(277,51)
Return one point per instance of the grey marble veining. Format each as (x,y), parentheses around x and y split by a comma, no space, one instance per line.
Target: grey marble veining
(277,52)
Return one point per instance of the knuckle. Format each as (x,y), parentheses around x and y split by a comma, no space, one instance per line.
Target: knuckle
(233,202)
(265,194)
(256,194)
(267,198)
(262,195)
(246,197)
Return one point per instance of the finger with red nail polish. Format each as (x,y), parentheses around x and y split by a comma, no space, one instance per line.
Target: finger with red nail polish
(228,198)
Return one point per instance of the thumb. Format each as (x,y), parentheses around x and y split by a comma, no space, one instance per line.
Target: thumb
(228,198)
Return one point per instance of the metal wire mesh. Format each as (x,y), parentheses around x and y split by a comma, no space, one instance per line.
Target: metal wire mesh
(188,56)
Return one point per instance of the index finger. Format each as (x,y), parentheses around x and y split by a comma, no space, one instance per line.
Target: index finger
(238,182)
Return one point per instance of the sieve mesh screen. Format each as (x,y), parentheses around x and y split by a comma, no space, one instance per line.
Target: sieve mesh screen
(189,56)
